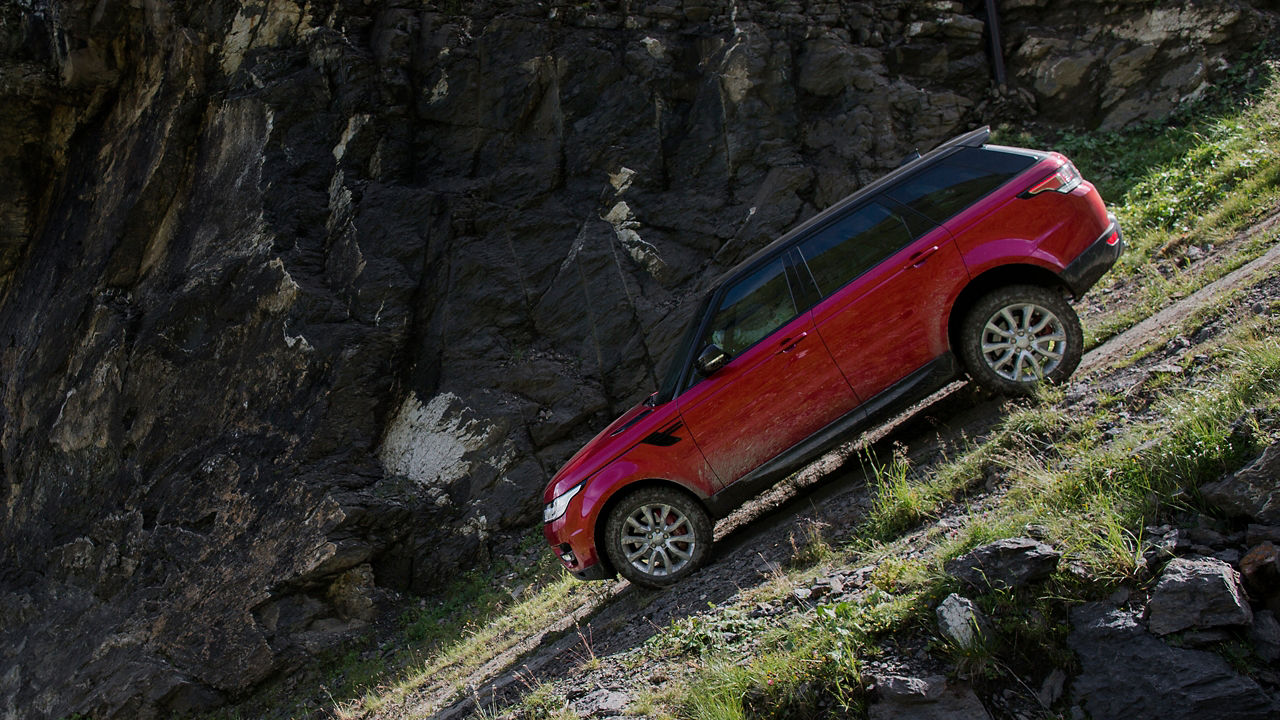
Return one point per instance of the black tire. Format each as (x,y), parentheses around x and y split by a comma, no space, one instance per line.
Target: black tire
(647,554)
(1018,336)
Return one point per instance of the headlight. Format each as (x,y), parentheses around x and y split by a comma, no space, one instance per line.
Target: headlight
(557,507)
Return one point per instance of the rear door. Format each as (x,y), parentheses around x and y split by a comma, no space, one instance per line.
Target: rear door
(780,386)
(886,276)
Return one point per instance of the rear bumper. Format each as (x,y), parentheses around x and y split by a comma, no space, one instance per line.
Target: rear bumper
(1096,260)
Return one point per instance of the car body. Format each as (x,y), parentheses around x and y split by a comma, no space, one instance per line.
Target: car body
(960,260)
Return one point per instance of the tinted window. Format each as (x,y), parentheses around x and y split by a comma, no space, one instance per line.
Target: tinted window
(853,244)
(751,309)
(956,182)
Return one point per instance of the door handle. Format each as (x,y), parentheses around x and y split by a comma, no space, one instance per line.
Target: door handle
(918,258)
(790,344)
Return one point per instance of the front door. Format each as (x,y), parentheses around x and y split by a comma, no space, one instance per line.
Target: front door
(780,386)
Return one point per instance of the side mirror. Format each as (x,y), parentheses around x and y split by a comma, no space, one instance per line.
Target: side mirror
(711,359)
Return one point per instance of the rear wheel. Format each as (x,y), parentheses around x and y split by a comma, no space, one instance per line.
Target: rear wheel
(657,536)
(1016,337)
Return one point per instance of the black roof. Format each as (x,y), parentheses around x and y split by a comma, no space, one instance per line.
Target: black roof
(973,139)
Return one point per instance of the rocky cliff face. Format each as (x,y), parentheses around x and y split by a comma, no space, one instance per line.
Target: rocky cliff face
(301,303)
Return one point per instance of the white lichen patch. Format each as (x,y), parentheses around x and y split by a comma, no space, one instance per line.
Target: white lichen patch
(355,124)
(297,342)
(655,48)
(429,443)
(735,75)
(259,24)
(621,180)
(285,292)
(441,89)
(624,227)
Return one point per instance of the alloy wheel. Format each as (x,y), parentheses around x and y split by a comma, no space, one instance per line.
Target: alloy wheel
(658,540)
(1023,342)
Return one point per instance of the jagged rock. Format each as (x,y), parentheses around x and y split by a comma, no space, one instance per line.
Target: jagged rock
(1197,592)
(909,690)
(1051,689)
(934,701)
(961,622)
(1265,635)
(1165,542)
(1012,562)
(1253,491)
(1128,673)
(1258,534)
(602,703)
(1261,570)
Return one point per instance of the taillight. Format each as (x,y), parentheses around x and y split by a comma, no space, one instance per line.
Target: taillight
(1065,179)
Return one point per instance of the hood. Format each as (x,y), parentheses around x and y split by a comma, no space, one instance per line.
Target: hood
(621,435)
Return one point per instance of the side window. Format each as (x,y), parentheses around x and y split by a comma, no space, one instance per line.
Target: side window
(853,244)
(956,182)
(752,308)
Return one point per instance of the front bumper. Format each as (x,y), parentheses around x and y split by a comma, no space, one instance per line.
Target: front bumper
(1083,272)
(575,548)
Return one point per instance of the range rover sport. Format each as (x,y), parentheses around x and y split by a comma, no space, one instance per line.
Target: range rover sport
(960,261)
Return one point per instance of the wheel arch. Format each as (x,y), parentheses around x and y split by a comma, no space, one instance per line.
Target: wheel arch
(1020,274)
(618,495)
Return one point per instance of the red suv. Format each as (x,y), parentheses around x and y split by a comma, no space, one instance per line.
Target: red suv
(962,259)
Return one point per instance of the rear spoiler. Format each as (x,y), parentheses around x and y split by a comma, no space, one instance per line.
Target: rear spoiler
(973,138)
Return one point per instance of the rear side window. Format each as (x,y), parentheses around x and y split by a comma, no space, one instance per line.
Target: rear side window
(751,309)
(954,183)
(855,243)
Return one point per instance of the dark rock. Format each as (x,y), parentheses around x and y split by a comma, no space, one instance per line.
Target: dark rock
(1253,491)
(1165,542)
(1197,593)
(1051,689)
(957,702)
(1012,562)
(1261,569)
(1129,673)
(1264,634)
(1230,556)
(602,703)
(909,690)
(1258,534)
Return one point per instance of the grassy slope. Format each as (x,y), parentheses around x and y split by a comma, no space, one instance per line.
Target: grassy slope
(1088,472)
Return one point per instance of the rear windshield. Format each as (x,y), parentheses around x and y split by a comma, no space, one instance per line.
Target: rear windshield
(952,184)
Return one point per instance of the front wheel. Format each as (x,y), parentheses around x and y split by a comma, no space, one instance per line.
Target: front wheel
(1019,336)
(657,536)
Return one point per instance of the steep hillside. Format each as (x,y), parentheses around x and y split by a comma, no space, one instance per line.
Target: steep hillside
(1106,549)
(300,303)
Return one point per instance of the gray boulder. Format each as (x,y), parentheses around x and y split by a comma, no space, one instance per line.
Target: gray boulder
(1253,491)
(1265,636)
(908,690)
(926,699)
(1012,562)
(1128,673)
(961,622)
(1197,592)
